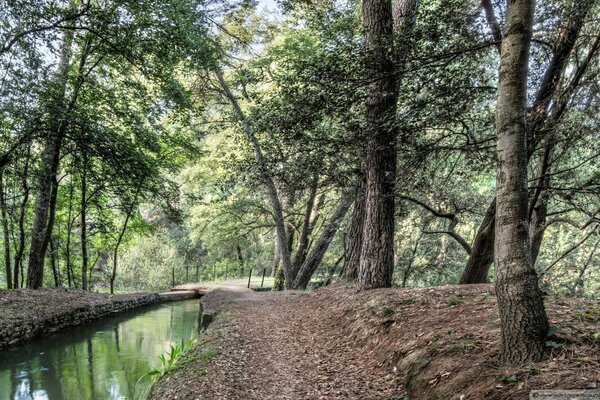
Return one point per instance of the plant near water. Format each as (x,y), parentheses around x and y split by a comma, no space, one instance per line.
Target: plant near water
(175,357)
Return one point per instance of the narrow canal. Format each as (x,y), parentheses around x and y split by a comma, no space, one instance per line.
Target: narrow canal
(97,362)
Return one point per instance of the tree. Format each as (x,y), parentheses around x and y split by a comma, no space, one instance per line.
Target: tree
(541,124)
(522,315)
(377,250)
(384,29)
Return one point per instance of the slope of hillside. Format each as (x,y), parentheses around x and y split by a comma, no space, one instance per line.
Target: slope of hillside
(335,343)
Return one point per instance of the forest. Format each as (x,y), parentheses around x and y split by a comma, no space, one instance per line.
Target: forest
(146,144)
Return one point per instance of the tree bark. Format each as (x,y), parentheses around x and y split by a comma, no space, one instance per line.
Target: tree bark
(276,257)
(482,252)
(240,259)
(6,233)
(355,234)
(523,318)
(318,252)
(377,251)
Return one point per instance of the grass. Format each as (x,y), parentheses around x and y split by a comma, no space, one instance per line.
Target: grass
(452,301)
(387,312)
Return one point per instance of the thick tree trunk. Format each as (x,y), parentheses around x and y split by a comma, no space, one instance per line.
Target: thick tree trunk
(355,234)
(482,251)
(522,315)
(377,252)
(6,233)
(37,252)
(318,252)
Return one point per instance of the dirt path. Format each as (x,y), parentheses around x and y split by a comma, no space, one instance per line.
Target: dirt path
(275,346)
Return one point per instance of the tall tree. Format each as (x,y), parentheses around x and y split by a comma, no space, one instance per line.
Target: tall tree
(377,251)
(387,38)
(523,317)
(50,160)
(274,199)
(539,126)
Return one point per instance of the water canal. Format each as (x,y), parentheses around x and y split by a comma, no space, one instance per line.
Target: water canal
(100,361)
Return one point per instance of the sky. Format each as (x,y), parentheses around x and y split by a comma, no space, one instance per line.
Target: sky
(271,5)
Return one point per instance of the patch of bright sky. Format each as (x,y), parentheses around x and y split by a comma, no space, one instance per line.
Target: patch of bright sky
(269,5)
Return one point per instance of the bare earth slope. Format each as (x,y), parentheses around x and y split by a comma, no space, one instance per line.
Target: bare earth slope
(439,343)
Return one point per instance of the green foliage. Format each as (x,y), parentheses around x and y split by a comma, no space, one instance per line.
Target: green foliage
(177,356)
(508,379)
(148,263)
(387,312)
(453,301)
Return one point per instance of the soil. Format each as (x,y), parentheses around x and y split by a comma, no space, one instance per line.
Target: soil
(25,314)
(335,343)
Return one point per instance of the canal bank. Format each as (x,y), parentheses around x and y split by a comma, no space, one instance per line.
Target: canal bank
(28,314)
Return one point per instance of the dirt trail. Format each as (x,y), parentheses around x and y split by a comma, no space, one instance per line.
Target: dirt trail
(276,346)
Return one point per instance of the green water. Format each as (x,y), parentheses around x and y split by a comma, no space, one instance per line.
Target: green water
(97,362)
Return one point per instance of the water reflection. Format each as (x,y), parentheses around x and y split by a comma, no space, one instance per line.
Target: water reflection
(97,362)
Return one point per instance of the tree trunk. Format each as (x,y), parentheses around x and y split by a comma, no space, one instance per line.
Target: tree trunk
(482,251)
(53,263)
(70,277)
(310,217)
(240,259)
(409,267)
(276,257)
(316,255)
(51,218)
(18,268)
(267,180)
(355,234)
(479,262)
(537,226)
(113,275)
(522,315)
(377,252)
(84,251)
(6,233)
(37,252)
